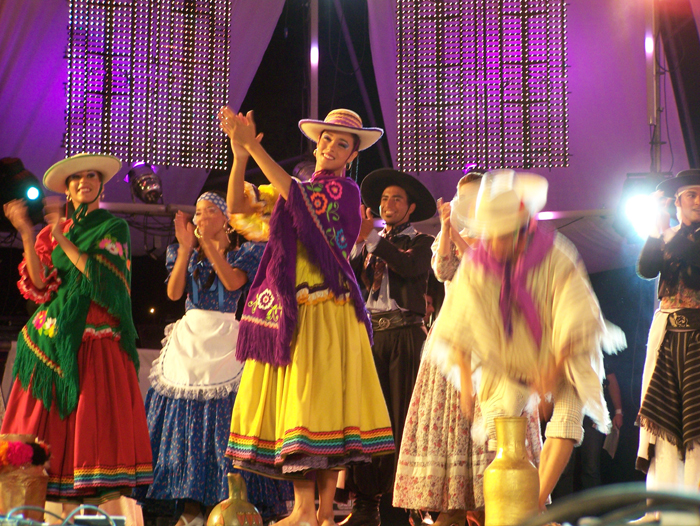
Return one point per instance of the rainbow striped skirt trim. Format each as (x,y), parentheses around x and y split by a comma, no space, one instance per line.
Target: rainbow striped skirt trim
(86,480)
(301,441)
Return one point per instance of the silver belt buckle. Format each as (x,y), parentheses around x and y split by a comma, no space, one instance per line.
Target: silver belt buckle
(678,320)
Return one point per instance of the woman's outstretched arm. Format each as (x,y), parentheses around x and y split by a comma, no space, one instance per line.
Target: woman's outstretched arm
(241,130)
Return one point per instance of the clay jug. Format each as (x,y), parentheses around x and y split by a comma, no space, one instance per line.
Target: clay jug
(236,510)
(511,481)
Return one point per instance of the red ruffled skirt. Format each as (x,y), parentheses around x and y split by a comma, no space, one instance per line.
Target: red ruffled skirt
(102,447)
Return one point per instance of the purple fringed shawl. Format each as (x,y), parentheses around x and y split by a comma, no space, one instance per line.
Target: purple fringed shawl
(513,290)
(324,215)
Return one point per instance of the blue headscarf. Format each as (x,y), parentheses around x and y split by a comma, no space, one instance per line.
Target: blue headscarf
(219,201)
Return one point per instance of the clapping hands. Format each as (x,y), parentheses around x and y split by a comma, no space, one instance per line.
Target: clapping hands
(240,129)
(184,230)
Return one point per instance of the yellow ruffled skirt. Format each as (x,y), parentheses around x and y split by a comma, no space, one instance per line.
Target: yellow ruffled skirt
(326,408)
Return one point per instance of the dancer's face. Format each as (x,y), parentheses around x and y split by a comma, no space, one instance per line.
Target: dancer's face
(507,247)
(209,217)
(688,204)
(83,187)
(334,150)
(394,206)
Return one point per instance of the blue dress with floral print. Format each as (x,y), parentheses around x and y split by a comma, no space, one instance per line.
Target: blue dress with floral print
(189,437)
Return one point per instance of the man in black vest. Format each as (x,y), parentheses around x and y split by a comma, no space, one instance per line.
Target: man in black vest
(394,265)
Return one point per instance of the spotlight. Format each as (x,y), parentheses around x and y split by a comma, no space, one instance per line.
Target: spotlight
(304,170)
(16,182)
(144,183)
(635,214)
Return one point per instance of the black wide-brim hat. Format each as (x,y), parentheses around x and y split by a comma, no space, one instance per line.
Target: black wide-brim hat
(684,178)
(13,168)
(374,184)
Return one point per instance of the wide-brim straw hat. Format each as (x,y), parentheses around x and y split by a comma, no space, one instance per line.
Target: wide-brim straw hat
(374,184)
(341,120)
(55,177)
(506,200)
(684,178)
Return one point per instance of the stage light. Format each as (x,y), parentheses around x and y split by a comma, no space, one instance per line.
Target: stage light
(32,193)
(144,81)
(635,215)
(485,80)
(637,210)
(649,45)
(16,182)
(304,170)
(145,183)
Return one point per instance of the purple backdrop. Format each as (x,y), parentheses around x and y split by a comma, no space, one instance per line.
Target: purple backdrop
(609,132)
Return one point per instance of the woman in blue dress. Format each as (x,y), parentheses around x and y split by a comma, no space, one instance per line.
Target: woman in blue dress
(195,379)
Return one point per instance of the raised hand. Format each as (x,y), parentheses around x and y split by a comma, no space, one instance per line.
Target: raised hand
(16,213)
(662,219)
(367,223)
(240,129)
(444,209)
(53,208)
(184,230)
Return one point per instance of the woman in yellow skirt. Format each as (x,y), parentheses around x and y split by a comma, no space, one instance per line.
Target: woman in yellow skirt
(310,401)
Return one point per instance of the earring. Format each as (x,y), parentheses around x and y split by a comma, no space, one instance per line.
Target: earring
(315,149)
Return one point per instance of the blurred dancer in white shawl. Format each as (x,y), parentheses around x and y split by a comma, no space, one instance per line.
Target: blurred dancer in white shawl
(523,313)
(441,465)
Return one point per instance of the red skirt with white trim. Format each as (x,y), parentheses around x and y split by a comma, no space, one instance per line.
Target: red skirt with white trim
(102,447)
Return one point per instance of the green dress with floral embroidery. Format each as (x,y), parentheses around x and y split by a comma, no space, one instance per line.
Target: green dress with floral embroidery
(77,386)
(47,349)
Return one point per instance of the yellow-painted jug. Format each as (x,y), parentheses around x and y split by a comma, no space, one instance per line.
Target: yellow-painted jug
(236,510)
(511,481)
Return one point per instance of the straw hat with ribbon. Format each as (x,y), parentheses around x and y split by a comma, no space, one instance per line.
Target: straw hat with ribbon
(341,120)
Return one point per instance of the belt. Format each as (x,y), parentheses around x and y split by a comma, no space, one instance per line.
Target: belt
(684,320)
(383,321)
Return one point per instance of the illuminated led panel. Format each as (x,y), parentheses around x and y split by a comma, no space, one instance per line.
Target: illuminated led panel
(481,82)
(146,79)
